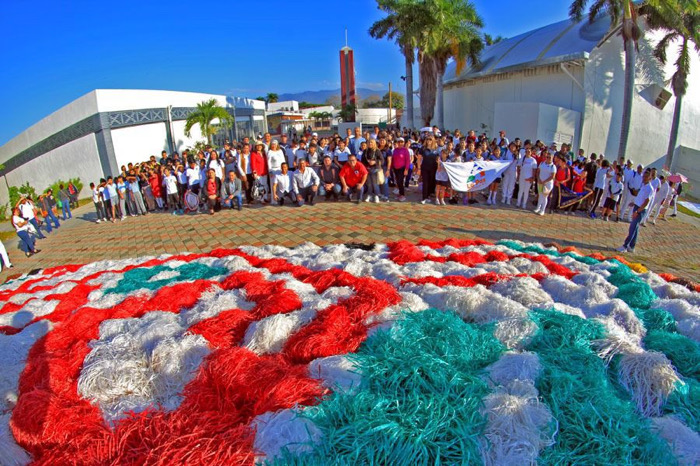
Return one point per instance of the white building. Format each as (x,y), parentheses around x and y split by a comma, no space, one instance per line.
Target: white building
(285,106)
(565,82)
(93,136)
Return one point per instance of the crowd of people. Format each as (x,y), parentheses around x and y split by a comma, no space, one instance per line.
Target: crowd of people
(377,166)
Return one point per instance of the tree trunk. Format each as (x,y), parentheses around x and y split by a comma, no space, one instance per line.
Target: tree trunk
(628,96)
(428,88)
(440,104)
(409,90)
(674,131)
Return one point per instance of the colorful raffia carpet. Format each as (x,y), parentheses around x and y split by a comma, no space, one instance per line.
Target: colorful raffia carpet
(453,352)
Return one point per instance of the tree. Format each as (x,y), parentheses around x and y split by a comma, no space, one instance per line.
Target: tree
(271,98)
(454,34)
(685,30)
(206,113)
(348,113)
(490,40)
(404,23)
(396,100)
(623,14)
(264,99)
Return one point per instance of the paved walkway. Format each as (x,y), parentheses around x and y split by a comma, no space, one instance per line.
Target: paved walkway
(668,247)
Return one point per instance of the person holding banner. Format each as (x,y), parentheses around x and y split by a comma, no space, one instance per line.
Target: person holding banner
(511,155)
(493,188)
(442,180)
(545,182)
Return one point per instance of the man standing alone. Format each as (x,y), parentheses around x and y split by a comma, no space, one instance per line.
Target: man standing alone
(641,203)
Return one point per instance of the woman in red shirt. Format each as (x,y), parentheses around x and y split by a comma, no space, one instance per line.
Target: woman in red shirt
(211,190)
(154,181)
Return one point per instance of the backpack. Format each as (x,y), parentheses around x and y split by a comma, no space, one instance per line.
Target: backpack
(259,190)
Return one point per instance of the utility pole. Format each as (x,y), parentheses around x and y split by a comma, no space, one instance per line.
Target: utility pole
(389,120)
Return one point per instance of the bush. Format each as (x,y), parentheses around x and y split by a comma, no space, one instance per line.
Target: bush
(23,190)
(55,186)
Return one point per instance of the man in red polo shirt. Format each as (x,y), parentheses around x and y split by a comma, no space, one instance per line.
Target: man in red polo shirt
(353,176)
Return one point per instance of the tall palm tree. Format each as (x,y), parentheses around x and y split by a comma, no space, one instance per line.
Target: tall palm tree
(685,30)
(206,113)
(271,98)
(403,25)
(454,35)
(623,14)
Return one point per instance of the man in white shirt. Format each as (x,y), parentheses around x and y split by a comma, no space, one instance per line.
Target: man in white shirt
(659,198)
(633,183)
(545,182)
(28,210)
(305,183)
(641,202)
(509,176)
(283,186)
(655,183)
(526,175)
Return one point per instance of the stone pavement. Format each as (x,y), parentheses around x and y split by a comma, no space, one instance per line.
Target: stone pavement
(668,247)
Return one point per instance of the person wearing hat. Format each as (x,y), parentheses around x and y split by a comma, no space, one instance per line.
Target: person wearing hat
(258,165)
(400,162)
(330,179)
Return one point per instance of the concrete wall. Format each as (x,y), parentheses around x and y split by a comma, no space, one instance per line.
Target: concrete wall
(289,105)
(77,159)
(472,105)
(109,100)
(75,111)
(530,120)
(137,143)
(651,126)
(181,141)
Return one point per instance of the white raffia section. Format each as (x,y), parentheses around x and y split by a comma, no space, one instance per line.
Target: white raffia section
(518,425)
(280,431)
(684,442)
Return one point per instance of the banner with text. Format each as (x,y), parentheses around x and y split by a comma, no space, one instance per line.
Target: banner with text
(474,176)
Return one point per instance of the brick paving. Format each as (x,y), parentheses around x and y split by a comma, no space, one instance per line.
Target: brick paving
(668,247)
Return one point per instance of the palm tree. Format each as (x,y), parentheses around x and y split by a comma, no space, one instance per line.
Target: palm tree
(271,98)
(623,14)
(685,29)
(206,113)
(453,35)
(403,24)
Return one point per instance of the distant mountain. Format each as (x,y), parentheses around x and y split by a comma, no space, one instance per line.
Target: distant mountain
(320,97)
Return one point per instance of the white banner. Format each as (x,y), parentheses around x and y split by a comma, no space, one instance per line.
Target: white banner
(474,176)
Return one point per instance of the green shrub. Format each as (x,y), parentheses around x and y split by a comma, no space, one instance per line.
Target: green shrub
(23,190)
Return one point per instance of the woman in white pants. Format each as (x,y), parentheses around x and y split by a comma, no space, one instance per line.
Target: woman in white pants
(545,183)
(526,175)
(5,259)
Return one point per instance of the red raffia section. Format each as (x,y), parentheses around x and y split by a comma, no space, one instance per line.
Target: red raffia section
(403,252)
(9,330)
(455,243)
(553,267)
(486,279)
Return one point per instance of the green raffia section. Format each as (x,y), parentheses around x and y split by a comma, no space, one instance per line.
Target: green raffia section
(138,278)
(528,249)
(597,421)
(683,352)
(538,250)
(420,398)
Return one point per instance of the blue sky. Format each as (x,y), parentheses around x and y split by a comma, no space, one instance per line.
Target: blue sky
(55,51)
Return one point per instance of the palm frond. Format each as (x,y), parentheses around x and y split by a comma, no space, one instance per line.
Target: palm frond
(576,9)
(660,49)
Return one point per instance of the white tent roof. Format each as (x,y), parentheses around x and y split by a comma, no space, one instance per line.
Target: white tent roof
(555,43)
